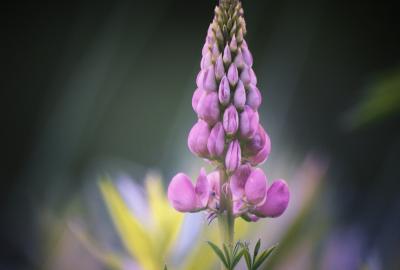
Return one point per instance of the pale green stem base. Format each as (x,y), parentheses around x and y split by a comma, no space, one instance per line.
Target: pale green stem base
(226,220)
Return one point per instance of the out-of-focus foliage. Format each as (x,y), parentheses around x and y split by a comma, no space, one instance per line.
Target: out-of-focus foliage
(152,244)
(381,100)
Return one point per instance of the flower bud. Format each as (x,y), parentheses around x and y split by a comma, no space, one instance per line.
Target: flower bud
(239,35)
(258,147)
(233,75)
(231,120)
(215,50)
(200,78)
(216,141)
(253,77)
(196,98)
(249,217)
(256,187)
(209,84)
(247,57)
(208,107)
(206,60)
(253,97)
(262,155)
(205,50)
(245,76)
(233,45)
(238,181)
(181,193)
(227,58)
(248,123)
(277,200)
(198,138)
(224,91)
(239,98)
(257,141)
(219,68)
(239,62)
(233,156)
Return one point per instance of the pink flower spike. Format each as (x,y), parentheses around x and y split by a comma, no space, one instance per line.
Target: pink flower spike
(256,187)
(181,193)
(206,60)
(278,196)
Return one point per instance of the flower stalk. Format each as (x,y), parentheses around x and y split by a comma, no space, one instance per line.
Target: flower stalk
(228,133)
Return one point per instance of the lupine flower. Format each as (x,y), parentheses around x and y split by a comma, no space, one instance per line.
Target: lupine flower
(229,133)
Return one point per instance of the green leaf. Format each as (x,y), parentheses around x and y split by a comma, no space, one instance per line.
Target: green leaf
(247,257)
(263,257)
(227,255)
(165,267)
(236,248)
(219,253)
(256,249)
(237,258)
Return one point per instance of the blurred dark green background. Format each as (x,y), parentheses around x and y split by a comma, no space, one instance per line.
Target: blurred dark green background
(85,84)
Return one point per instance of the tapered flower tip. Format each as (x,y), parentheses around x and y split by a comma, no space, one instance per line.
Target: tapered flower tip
(224,91)
(233,156)
(277,200)
(233,45)
(239,61)
(181,193)
(247,57)
(202,188)
(239,98)
(231,120)
(253,97)
(206,49)
(263,154)
(216,141)
(246,76)
(206,60)
(209,82)
(233,75)
(198,137)
(196,98)
(227,58)
(256,187)
(219,68)
(249,121)
(238,181)
(208,107)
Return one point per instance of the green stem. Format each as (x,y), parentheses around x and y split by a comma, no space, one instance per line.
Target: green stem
(226,220)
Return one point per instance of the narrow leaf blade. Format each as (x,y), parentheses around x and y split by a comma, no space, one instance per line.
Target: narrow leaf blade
(219,253)
(256,249)
(263,257)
